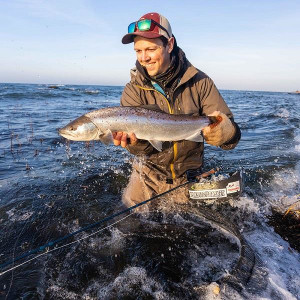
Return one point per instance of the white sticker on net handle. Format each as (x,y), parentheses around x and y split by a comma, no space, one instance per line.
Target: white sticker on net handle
(208,194)
(233,187)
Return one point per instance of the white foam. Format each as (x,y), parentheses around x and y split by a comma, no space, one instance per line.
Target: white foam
(297,140)
(283,292)
(297,136)
(246,203)
(282,263)
(115,242)
(60,292)
(285,189)
(92,91)
(283,113)
(130,278)
(15,215)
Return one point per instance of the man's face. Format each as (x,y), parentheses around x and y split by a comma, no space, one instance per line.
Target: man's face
(152,54)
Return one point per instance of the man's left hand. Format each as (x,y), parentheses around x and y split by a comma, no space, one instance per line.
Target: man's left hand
(219,133)
(123,139)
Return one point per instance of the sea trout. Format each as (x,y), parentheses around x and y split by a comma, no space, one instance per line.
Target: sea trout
(147,124)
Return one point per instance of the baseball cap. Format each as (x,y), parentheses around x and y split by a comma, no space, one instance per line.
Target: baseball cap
(157,26)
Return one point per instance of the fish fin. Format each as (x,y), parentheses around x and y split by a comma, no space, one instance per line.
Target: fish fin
(156,144)
(106,137)
(196,137)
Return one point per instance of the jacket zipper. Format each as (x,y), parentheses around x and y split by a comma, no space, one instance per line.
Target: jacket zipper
(171,111)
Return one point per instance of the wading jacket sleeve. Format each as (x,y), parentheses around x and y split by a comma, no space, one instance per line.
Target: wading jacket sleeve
(195,93)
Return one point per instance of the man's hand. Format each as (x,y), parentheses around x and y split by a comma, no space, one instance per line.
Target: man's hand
(120,138)
(217,134)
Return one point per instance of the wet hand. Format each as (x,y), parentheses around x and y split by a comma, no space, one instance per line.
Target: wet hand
(218,133)
(123,139)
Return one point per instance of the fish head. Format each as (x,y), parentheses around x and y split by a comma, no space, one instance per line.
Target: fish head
(81,129)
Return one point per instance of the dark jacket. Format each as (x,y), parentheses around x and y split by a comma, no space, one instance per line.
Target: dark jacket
(194,94)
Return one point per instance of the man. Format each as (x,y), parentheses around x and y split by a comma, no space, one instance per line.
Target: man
(164,77)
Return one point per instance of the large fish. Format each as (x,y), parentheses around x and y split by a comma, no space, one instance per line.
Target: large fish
(147,124)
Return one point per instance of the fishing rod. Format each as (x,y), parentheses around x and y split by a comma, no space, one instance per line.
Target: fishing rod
(45,248)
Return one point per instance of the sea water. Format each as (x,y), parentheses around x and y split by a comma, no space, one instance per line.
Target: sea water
(50,188)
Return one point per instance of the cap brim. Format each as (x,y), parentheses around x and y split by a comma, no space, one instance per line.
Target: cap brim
(128,38)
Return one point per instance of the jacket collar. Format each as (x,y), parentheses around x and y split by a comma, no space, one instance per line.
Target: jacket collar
(138,79)
(189,73)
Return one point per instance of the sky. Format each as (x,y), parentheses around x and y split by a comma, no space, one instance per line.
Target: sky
(241,45)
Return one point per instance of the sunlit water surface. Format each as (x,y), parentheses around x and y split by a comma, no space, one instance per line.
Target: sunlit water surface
(49,188)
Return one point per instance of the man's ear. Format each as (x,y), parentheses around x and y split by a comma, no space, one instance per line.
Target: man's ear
(171,42)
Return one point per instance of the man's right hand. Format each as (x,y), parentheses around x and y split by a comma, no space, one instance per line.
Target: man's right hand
(221,132)
(121,138)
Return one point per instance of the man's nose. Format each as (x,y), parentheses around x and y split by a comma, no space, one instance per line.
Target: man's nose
(145,56)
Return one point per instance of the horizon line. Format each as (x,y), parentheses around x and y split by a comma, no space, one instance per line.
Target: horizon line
(93,84)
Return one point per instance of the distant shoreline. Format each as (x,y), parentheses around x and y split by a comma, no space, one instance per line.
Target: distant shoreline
(296,92)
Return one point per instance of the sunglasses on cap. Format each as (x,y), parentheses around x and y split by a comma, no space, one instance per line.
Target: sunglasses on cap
(145,25)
